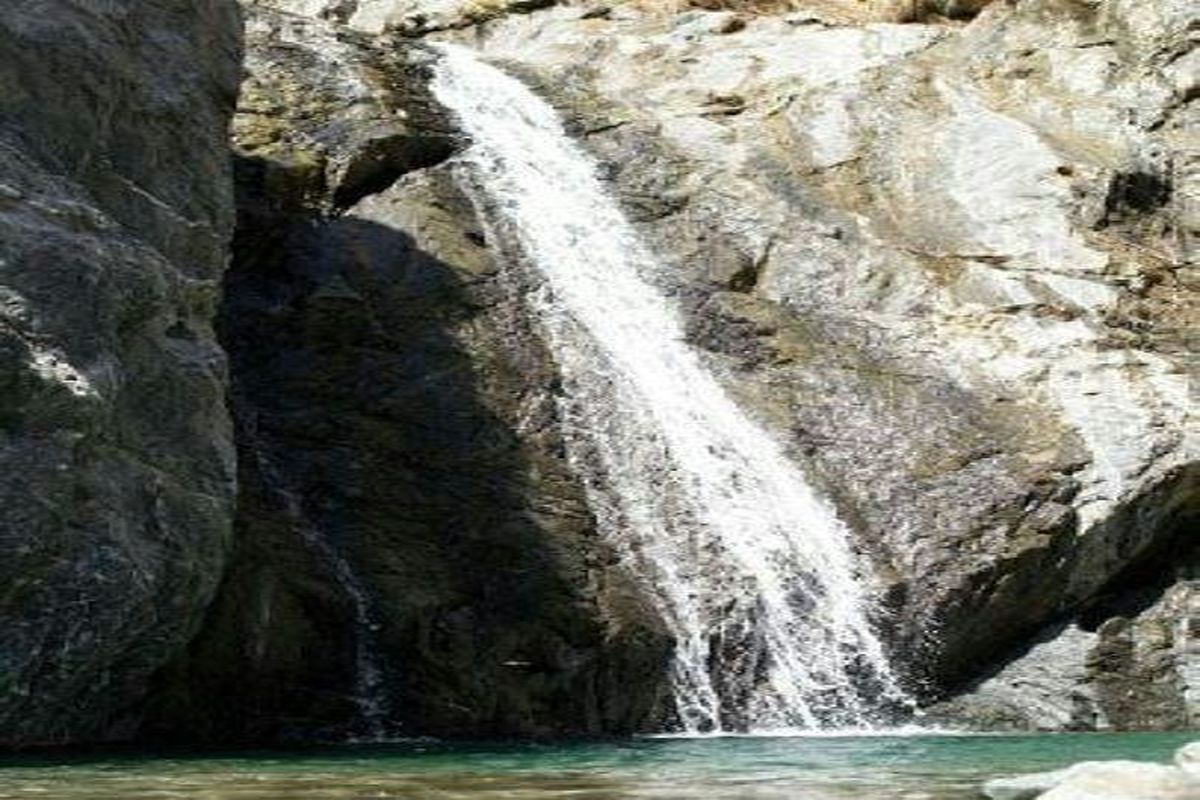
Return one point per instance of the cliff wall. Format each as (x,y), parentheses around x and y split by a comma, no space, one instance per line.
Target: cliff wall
(116,451)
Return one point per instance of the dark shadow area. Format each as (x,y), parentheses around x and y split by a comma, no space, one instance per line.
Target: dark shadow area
(374,429)
(1142,583)
(1132,193)
(380,163)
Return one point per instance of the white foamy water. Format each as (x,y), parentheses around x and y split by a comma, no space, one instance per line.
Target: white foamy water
(748,566)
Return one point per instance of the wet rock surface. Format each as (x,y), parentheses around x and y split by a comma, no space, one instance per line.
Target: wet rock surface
(116,454)
(945,262)
(393,415)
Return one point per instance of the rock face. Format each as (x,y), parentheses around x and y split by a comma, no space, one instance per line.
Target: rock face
(411,545)
(116,454)
(952,264)
(948,263)
(1130,666)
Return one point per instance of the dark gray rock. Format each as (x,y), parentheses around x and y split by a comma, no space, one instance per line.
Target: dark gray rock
(116,454)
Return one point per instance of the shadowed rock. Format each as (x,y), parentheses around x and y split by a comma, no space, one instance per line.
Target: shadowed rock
(116,452)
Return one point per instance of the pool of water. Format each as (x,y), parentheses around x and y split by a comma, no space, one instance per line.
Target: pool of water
(912,767)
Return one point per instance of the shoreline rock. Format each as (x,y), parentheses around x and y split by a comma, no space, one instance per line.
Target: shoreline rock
(1107,780)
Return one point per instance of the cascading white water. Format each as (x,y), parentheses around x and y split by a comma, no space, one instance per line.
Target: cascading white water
(750,569)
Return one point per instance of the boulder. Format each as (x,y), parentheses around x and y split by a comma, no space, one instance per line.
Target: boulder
(1023,787)
(116,449)
(1187,758)
(1106,780)
(1098,780)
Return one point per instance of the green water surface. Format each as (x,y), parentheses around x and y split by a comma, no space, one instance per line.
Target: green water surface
(913,767)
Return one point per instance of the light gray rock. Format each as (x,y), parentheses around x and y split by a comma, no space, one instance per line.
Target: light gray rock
(1023,787)
(1123,780)
(1046,688)
(946,260)
(1098,780)
(1135,671)
(1187,758)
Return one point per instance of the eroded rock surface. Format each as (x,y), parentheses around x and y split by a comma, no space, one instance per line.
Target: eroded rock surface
(116,454)
(950,261)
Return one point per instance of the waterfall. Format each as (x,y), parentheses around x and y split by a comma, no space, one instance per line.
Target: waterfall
(751,570)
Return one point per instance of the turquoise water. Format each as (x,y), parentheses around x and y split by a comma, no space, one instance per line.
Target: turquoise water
(920,767)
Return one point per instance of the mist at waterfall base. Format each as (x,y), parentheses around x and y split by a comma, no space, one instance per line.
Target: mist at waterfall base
(748,566)
(797,768)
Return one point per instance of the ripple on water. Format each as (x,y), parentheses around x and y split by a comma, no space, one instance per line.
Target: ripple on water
(899,766)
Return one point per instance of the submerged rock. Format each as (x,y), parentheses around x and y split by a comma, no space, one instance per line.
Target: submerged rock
(1023,787)
(1187,758)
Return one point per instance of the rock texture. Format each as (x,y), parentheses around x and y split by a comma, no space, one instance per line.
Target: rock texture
(116,455)
(949,263)
(945,250)
(953,264)
(411,545)
(1130,664)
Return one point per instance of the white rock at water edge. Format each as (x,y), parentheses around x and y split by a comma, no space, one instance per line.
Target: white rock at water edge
(1187,758)
(1023,787)
(1107,780)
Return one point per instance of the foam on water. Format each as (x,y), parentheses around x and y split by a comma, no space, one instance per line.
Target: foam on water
(894,731)
(747,565)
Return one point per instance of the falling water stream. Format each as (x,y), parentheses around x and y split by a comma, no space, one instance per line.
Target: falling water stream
(751,570)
